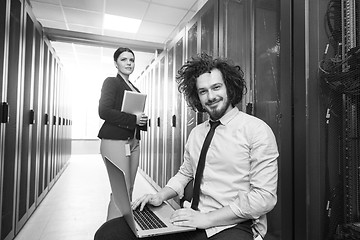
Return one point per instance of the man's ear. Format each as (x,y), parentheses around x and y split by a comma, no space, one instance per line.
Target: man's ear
(115,64)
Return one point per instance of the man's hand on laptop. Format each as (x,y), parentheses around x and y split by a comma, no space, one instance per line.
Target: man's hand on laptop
(188,217)
(153,199)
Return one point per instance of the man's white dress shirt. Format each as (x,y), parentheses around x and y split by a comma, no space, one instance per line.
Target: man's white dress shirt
(240,170)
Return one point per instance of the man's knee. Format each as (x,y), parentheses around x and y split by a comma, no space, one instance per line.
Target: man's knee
(99,235)
(115,229)
(107,230)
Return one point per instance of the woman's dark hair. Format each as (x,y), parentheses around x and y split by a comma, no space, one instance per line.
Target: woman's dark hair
(232,74)
(120,50)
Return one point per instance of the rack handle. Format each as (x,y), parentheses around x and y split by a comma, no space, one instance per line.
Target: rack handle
(5,112)
(32,116)
(174,120)
(46,120)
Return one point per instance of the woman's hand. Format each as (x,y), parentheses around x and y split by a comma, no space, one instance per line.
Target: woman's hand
(141,119)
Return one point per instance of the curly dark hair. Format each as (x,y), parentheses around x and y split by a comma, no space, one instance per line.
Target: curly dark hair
(232,74)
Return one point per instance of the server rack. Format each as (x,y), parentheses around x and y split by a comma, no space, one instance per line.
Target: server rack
(340,76)
(351,113)
(32,154)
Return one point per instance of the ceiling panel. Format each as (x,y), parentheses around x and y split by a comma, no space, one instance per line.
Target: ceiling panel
(151,38)
(161,21)
(136,9)
(183,4)
(157,29)
(44,11)
(154,38)
(158,13)
(96,6)
(85,18)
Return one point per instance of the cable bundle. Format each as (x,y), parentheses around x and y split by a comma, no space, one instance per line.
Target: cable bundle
(339,73)
(343,76)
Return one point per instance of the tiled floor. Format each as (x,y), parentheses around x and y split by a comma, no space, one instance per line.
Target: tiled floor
(77,204)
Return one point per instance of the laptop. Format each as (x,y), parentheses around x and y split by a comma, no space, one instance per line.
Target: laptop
(160,215)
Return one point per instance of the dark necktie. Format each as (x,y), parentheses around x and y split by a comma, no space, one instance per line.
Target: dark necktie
(201,165)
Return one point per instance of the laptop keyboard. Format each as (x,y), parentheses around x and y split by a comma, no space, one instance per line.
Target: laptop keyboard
(147,219)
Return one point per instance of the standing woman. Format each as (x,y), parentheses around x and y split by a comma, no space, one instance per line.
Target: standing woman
(120,131)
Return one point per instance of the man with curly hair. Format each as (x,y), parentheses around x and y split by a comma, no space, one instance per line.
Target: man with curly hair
(237,183)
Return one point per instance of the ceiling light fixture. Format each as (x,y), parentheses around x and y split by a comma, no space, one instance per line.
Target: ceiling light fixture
(121,24)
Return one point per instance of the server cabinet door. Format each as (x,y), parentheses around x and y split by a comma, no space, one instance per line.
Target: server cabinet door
(35,137)
(169,113)
(155,123)
(208,39)
(152,123)
(267,84)
(3,41)
(44,125)
(178,136)
(235,40)
(27,122)
(148,133)
(52,120)
(189,118)
(12,130)
(4,16)
(161,124)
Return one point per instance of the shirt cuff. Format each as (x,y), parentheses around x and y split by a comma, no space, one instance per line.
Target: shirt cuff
(177,187)
(236,210)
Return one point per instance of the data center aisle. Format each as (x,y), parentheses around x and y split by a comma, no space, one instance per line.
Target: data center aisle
(77,204)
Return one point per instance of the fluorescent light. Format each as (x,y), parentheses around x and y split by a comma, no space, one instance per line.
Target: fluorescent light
(121,24)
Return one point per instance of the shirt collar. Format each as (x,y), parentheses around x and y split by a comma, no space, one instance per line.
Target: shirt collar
(228,116)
